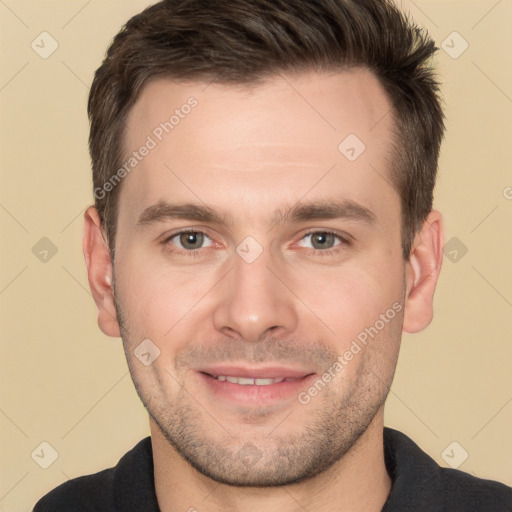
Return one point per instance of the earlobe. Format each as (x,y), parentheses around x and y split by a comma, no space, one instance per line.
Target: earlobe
(422,272)
(99,272)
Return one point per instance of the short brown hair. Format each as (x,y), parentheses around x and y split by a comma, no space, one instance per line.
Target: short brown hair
(246,41)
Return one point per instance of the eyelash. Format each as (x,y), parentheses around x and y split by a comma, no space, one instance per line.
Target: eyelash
(317,252)
(193,252)
(329,252)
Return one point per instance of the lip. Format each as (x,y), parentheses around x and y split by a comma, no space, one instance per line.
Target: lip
(268,372)
(252,394)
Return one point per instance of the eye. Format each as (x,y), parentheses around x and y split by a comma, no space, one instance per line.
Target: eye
(323,241)
(189,241)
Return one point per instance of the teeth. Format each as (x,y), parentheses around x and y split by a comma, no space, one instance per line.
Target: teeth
(245,381)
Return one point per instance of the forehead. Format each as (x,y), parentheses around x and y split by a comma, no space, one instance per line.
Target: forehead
(314,107)
(222,144)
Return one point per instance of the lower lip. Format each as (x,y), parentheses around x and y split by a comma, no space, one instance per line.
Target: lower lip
(254,394)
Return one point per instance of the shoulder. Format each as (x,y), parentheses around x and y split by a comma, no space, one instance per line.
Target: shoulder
(82,494)
(478,493)
(419,483)
(121,487)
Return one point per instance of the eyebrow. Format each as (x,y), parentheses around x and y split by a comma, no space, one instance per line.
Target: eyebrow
(300,212)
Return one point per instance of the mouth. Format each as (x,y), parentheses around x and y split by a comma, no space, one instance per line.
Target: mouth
(256,386)
(247,381)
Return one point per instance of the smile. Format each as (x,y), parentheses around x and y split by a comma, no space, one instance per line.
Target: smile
(245,381)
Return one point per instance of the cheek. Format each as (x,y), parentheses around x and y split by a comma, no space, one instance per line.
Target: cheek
(361,317)
(159,300)
(346,300)
(165,302)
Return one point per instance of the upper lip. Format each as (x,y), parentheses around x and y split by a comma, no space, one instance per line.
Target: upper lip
(267,372)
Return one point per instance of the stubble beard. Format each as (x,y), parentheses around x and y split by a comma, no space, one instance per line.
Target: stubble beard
(254,458)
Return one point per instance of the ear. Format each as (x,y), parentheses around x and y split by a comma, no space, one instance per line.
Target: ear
(422,272)
(99,272)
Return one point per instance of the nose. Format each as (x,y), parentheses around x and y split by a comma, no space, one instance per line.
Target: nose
(253,302)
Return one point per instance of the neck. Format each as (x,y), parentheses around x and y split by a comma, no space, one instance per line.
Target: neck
(357,482)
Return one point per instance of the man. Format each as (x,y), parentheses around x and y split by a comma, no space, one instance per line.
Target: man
(262,234)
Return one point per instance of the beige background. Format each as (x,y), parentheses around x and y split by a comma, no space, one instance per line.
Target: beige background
(64,382)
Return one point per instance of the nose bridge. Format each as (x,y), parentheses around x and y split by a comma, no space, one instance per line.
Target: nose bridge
(253,300)
(253,280)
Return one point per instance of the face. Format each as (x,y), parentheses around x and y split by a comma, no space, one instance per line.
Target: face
(255,240)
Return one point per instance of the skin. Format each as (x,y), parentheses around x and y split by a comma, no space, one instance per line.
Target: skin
(246,152)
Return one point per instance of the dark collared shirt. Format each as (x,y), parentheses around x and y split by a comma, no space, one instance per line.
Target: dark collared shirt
(419,485)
